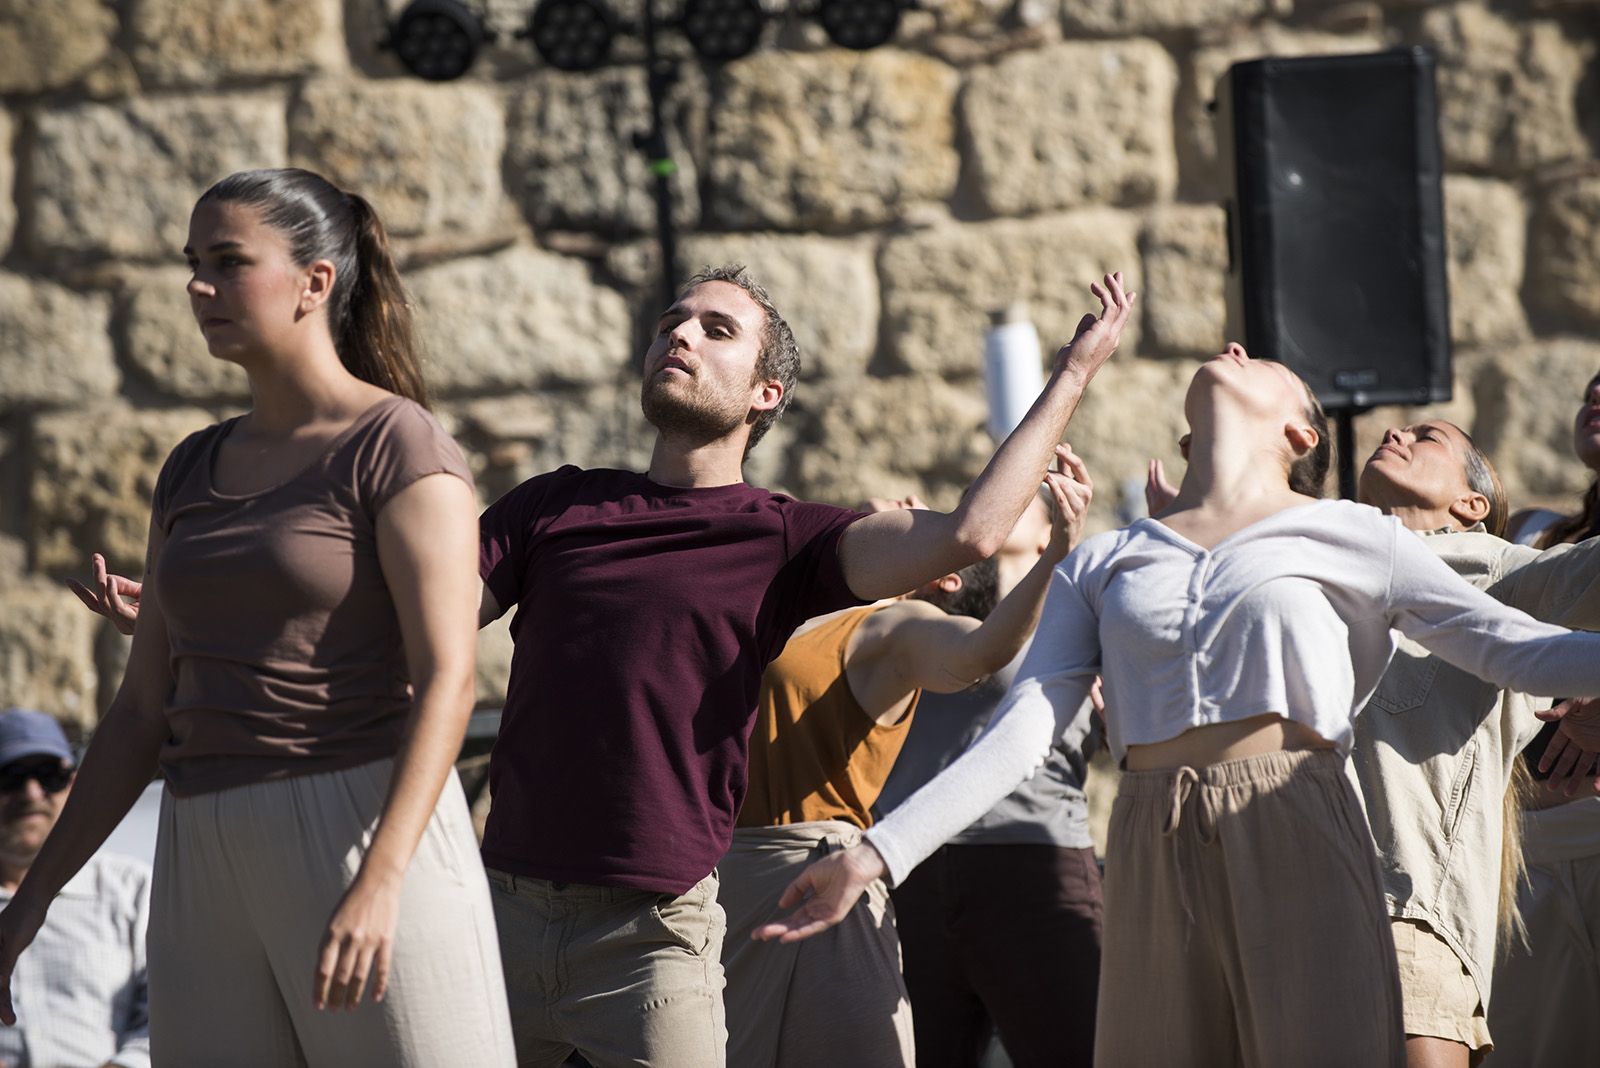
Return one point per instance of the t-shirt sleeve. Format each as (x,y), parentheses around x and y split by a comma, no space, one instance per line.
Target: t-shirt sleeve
(815,573)
(1432,605)
(408,445)
(1042,704)
(505,536)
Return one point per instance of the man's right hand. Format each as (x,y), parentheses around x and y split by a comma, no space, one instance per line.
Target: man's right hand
(1096,338)
(115,597)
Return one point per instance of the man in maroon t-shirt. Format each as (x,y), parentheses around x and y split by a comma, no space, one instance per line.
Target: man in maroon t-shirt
(648,606)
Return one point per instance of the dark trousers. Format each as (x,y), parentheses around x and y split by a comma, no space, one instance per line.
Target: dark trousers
(1002,935)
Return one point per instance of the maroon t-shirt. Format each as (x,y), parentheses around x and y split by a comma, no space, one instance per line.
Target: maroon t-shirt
(645,617)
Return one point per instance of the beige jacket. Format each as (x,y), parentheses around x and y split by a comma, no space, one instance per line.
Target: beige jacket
(1434,746)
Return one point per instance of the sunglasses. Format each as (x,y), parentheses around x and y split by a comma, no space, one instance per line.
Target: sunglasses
(52,776)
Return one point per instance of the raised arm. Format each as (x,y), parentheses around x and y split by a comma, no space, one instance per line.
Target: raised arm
(1560,585)
(1055,678)
(121,761)
(1449,616)
(924,648)
(427,545)
(884,555)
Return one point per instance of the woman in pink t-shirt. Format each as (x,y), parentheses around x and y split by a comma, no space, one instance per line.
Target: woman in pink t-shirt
(301,673)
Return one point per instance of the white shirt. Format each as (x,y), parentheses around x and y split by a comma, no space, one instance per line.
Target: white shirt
(79,989)
(1294,615)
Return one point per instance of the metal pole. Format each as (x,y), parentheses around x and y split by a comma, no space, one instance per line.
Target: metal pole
(1346,419)
(660,74)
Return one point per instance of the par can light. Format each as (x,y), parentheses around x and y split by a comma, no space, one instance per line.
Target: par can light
(722,30)
(859,24)
(437,39)
(572,35)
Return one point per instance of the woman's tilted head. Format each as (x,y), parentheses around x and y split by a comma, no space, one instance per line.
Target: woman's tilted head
(266,243)
(1435,466)
(1233,389)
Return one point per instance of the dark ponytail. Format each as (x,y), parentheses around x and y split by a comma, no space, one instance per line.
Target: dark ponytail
(368,314)
(1309,473)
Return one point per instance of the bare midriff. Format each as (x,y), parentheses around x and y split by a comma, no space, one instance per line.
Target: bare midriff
(1213,743)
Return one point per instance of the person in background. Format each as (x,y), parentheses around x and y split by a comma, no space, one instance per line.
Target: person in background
(834,710)
(80,994)
(1549,982)
(1000,928)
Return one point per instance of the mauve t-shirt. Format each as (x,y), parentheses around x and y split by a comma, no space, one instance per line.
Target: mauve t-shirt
(645,617)
(286,651)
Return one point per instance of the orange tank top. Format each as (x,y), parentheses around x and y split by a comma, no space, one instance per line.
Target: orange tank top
(815,754)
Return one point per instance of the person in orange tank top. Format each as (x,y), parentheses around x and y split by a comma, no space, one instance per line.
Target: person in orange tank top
(835,708)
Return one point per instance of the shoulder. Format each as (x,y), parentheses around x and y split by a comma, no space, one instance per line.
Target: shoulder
(194,448)
(1096,551)
(403,422)
(187,457)
(806,521)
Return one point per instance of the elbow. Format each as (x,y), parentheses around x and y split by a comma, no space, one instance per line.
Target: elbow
(975,542)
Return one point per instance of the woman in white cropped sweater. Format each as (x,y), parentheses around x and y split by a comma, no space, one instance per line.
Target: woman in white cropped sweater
(1238,633)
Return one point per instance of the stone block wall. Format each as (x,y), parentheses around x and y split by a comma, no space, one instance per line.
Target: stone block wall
(998,150)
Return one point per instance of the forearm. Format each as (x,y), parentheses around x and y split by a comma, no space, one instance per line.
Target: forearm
(1002,635)
(442,707)
(1560,585)
(122,759)
(995,500)
(1017,741)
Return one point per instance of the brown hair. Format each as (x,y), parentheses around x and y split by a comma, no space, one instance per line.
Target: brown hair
(779,357)
(1513,863)
(368,313)
(1309,472)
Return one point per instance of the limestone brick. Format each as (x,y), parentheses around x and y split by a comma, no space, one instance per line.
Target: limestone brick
(831,140)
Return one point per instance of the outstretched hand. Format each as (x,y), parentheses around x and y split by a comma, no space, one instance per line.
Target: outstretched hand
(1072,490)
(113,596)
(825,893)
(1573,755)
(1096,337)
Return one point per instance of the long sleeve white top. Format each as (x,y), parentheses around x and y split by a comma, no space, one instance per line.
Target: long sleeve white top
(1295,615)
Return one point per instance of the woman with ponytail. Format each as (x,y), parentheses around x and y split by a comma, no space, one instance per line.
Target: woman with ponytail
(301,675)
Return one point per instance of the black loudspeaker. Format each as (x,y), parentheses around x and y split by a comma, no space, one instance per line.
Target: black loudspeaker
(1336,223)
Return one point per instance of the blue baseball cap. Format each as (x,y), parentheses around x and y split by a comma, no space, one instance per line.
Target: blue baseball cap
(25,733)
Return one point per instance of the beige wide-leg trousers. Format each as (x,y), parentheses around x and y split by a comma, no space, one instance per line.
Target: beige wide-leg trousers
(245,882)
(1245,922)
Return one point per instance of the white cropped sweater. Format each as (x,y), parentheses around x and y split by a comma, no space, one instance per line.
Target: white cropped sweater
(1294,614)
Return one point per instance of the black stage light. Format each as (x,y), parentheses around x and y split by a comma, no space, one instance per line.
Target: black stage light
(859,24)
(437,39)
(722,30)
(572,34)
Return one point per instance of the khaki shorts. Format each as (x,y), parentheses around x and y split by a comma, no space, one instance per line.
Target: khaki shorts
(1438,999)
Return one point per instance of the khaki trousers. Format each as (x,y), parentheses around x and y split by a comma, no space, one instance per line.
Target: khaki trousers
(624,977)
(1245,921)
(1546,1003)
(245,882)
(837,998)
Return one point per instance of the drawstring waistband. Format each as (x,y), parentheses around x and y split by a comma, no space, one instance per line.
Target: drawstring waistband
(1184,780)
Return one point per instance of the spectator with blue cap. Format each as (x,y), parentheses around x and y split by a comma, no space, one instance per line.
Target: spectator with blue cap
(79,992)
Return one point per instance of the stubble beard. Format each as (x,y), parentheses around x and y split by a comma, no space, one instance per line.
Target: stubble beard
(688,411)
